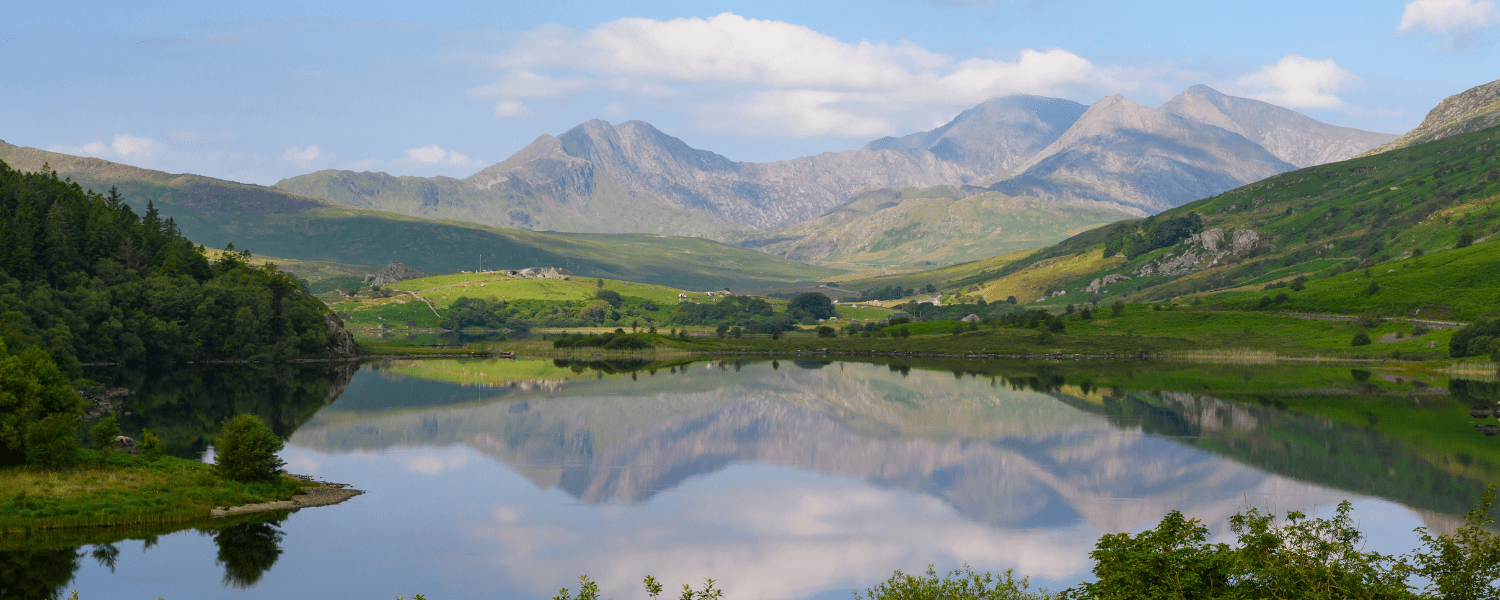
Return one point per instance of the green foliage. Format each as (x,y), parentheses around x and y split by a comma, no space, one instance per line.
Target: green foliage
(38,410)
(1172,560)
(246,451)
(104,433)
(1477,339)
(611,297)
(1465,565)
(86,278)
(810,304)
(608,341)
(149,448)
(960,584)
(476,313)
(825,331)
(1360,339)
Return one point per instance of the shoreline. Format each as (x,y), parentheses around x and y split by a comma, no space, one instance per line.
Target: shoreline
(325,493)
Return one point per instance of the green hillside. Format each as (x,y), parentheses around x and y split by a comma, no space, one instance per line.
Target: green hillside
(1398,214)
(609,206)
(933,226)
(266,220)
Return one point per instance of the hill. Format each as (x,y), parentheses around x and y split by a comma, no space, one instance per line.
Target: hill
(942,225)
(266,220)
(1394,217)
(1475,109)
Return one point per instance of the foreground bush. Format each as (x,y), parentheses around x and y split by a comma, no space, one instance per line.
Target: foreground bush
(1299,558)
(247,451)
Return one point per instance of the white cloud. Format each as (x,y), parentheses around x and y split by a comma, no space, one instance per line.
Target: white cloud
(776,78)
(1298,82)
(1449,17)
(302,155)
(434,154)
(123,147)
(511,108)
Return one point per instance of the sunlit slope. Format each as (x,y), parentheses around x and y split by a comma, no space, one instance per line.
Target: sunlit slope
(265,220)
(941,225)
(1348,216)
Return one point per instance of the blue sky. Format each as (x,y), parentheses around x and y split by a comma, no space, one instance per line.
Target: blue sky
(259,91)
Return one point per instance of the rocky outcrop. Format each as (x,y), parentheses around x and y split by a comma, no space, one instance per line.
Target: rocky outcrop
(1475,109)
(1201,251)
(343,345)
(1097,285)
(393,273)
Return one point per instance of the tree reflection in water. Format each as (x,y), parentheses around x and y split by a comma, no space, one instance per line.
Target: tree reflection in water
(33,574)
(247,551)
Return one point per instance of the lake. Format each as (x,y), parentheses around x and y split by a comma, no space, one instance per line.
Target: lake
(779,479)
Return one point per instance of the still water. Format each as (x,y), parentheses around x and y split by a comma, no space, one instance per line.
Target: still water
(509,479)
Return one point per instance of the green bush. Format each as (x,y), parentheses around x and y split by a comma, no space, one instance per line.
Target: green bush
(104,433)
(149,448)
(38,410)
(1360,339)
(246,452)
(961,584)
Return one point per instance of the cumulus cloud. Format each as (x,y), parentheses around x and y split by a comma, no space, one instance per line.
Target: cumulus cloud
(434,154)
(776,78)
(1449,17)
(302,155)
(124,146)
(1298,82)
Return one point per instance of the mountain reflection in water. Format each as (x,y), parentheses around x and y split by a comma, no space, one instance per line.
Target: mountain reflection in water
(798,479)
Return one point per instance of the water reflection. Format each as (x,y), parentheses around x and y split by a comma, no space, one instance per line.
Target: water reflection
(41,565)
(807,478)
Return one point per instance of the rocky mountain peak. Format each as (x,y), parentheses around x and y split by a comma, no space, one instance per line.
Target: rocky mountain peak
(993,136)
(1290,135)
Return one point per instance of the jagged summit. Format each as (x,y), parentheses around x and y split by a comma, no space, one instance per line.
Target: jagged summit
(1290,135)
(1142,157)
(995,135)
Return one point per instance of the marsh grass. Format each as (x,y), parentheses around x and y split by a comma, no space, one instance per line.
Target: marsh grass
(117,489)
(1482,370)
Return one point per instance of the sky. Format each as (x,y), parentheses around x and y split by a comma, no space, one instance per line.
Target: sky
(260,91)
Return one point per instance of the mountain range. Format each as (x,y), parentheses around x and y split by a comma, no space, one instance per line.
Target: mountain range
(1112,160)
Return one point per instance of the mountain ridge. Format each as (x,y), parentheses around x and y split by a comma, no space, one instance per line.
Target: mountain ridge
(633,177)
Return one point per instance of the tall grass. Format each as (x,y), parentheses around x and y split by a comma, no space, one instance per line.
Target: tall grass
(116,489)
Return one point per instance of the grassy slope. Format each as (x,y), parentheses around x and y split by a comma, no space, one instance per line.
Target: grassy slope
(947,277)
(422,301)
(1317,219)
(889,227)
(270,221)
(126,490)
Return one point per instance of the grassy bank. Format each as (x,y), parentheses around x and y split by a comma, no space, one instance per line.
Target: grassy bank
(121,489)
(1186,331)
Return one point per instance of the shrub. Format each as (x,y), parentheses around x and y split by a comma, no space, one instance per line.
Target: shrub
(38,410)
(1374,287)
(246,452)
(1360,339)
(1264,302)
(150,447)
(104,433)
(1117,308)
(825,331)
(1465,239)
